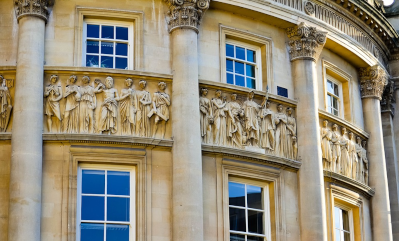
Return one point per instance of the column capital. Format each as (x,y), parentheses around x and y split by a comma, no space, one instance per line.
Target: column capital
(305,42)
(373,80)
(37,8)
(388,98)
(186,13)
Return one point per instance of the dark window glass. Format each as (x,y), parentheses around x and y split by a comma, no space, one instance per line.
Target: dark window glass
(237,237)
(117,232)
(93,31)
(92,208)
(282,91)
(92,61)
(251,83)
(107,62)
(255,222)
(118,209)
(118,183)
(229,65)
(236,194)
(92,47)
(122,33)
(251,56)
(120,63)
(240,53)
(345,220)
(107,48)
(239,67)
(250,70)
(254,197)
(237,219)
(93,182)
(121,49)
(230,50)
(240,81)
(253,238)
(91,232)
(336,90)
(230,78)
(107,32)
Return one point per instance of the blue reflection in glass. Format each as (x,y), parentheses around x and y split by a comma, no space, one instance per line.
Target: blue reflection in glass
(236,194)
(93,31)
(107,32)
(229,50)
(240,53)
(92,61)
(230,78)
(118,209)
(250,70)
(93,181)
(91,232)
(92,47)
(120,63)
(107,48)
(107,62)
(122,33)
(229,65)
(239,67)
(240,80)
(121,49)
(92,208)
(284,92)
(251,56)
(117,232)
(251,83)
(118,183)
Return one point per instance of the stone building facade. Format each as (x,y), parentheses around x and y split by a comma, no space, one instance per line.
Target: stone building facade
(199,120)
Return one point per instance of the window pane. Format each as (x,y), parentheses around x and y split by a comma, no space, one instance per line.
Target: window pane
(230,78)
(92,61)
(330,86)
(335,102)
(251,83)
(337,217)
(118,183)
(240,80)
(122,33)
(229,50)
(93,31)
(329,100)
(107,62)
(92,208)
(107,48)
(107,32)
(337,235)
(347,236)
(236,194)
(120,63)
(282,91)
(237,237)
(335,112)
(253,238)
(118,209)
(91,232)
(117,232)
(92,47)
(251,56)
(239,67)
(345,220)
(229,65)
(254,197)
(121,49)
(255,222)
(250,70)
(240,53)
(336,90)
(93,182)
(237,219)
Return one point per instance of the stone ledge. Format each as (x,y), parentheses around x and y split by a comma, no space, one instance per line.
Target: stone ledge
(265,158)
(349,183)
(5,136)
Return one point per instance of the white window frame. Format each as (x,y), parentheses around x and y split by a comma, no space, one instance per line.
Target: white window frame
(257,64)
(350,217)
(266,208)
(132,209)
(129,25)
(340,97)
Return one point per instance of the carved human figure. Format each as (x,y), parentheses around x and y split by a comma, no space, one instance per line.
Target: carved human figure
(143,106)
(5,105)
(219,115)
(326,150)
(346,165)
(281,132)
(161,102)
(291,134)
(234,127)
(88,103)
(108,113)
(251,112)
(267,128)
(359,153)
(205,117)
(336,150)
(127,108)
(365,164)
(53,93)
(71,114)
(353,156)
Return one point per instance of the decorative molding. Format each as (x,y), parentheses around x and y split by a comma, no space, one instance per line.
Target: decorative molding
(38,8)
(186,13)
(305,42)
(388,98)
(309,8)
(373,81)
(350,183)
(346,195)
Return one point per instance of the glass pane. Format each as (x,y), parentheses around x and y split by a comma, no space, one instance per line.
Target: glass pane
(255,222)
(250,70)
(251,56)
(337,235)
(107,48)
(239,67)
(93,31)
(229,50)
(230,78)
(336,90)
(120,63)
(335,112)
(92,208)
(240,53)
(91,232)
(236,194)
(253,238)
(92,61)
(237,237)
(122,33)
(107,32)
(329,101)
(251,83)
(337,217)
(118,209)
(254,197)
(118,183)
(229,65)
(347,236)
(240,80)
(92,47)
(345,220)
(330,86)
(237,219)
(117,232)
(107,62)
(282,91)
(121,49)
(93,182)
(335,103)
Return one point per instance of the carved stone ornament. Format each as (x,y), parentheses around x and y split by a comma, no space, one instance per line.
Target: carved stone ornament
(38,8)
(309,8)
(186,13)
(388,98)
(305,42)
(372,81)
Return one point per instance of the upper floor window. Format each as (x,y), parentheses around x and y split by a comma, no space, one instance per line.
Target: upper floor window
(343,224)
(107,44)
(334,96)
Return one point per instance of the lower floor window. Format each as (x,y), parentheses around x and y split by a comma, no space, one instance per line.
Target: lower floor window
(342,224)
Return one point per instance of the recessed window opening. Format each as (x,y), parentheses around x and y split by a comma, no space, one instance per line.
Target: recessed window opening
(342,225)
(333,97)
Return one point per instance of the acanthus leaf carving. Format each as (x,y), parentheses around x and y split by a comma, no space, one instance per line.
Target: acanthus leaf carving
(373,81)
(37,8)
(388,98)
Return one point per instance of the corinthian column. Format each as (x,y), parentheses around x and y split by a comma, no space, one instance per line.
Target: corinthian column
(184,17)
(372,82)
(26,157)
(305,45)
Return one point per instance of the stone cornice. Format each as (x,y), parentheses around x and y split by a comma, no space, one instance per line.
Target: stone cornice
(186,13)
(305,42)
(349,183)
(388,98)
(373,81)
(38,8)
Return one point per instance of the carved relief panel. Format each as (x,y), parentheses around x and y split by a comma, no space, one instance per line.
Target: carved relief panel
(5,103)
